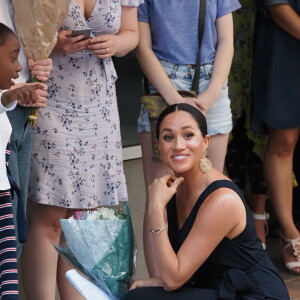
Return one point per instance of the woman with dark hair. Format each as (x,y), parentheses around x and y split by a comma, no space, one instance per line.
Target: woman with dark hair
(202,230)
(167,53)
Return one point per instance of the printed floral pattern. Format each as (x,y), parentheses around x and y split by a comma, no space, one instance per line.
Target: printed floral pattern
(77,151)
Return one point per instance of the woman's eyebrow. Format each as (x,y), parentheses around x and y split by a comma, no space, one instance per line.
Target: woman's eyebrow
(187,127)
(15,51)
(184,127)
(166,129)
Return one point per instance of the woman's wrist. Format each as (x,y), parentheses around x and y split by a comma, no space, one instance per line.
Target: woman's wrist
(6,101)
(156,208)
(158,230)
(157,220)
(174,99)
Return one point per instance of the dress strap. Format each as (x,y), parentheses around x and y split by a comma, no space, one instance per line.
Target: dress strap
(224,183)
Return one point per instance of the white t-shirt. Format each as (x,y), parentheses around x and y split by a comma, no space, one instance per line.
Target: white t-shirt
(6,17)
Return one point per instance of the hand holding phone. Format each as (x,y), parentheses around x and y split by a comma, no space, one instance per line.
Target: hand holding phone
(67,45)
(82,31)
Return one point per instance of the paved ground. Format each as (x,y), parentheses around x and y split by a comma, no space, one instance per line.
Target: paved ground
(294,288)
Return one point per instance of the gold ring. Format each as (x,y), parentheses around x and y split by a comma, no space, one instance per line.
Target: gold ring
(106,51)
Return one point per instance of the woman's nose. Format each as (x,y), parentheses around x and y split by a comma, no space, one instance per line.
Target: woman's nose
(19,67)
(179,144)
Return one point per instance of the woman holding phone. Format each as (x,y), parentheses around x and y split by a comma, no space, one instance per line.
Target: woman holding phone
(77,151)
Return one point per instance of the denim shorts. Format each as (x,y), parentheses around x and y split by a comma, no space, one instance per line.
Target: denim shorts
(219,117)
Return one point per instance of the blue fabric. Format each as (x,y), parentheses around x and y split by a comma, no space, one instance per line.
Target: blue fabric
(218,117)
(19,160)
(174,28)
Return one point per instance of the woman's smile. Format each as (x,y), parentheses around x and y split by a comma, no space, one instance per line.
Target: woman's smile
(180,157)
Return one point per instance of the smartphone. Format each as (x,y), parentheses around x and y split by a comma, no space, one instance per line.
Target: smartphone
(82,31)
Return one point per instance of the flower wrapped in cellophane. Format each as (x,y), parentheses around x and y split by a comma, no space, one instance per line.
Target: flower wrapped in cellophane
(38,22)
(100,244)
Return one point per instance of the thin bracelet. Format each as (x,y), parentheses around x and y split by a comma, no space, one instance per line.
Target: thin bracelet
(158,231)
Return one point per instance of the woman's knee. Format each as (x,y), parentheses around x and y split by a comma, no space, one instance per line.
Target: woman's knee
(282,146)
(45,220)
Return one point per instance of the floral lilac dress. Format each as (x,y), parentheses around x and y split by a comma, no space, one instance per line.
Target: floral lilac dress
(76,145)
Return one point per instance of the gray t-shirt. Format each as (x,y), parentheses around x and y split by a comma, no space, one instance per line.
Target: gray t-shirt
(174,28)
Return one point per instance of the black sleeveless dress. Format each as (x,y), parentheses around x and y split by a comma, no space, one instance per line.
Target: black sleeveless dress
(237,269)
(275,76)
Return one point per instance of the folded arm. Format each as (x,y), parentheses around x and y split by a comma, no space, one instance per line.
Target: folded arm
(286,18)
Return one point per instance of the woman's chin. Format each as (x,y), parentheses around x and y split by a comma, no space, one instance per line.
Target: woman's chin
(9,84)
(179,171)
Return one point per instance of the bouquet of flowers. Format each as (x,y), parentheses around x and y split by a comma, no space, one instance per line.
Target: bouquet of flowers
(100,244)
(38,22)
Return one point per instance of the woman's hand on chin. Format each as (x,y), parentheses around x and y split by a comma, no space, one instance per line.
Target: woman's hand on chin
(162,189)
(154,281)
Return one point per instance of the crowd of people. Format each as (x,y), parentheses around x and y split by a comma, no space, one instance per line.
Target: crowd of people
(72,158)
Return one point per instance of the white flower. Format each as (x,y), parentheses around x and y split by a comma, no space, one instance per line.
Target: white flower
(92,216)
(106,213)
(102,213)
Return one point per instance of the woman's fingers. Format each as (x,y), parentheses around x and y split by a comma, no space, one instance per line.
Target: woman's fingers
(32,94)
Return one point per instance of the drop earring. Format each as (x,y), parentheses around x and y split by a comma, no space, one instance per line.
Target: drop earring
(205,163)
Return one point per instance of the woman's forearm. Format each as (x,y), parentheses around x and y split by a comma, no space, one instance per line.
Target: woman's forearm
(127,42)
(156,74)
(223,58)
(128,35)
(167,260)
(152,67)
(286,18)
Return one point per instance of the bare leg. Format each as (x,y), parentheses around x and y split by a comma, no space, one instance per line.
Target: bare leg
(39,259)
(217,150)
(278,166)
(259,203)
(152,170)
(66,289)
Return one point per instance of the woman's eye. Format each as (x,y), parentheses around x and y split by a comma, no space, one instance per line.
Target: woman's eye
(13,59)
(189,135)
(167,137)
